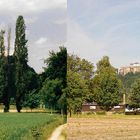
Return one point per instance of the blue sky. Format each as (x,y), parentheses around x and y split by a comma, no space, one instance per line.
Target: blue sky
(104,27)
(45,25)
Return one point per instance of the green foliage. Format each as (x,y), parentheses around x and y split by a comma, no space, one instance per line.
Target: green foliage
(76,92)
(2,66)
(20,81)
(21,59)
(54,79)
(57,65)
(11,76)
(4,95)
(81,66)
(32,100)
(134,98)
(62,101)
(21,53)
(51,92)
(32,80)
(104,64)
(107,86)
(79,88)
(129,79)
(101,112)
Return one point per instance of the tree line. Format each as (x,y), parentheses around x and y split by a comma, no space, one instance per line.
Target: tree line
(102,85)
(20,84)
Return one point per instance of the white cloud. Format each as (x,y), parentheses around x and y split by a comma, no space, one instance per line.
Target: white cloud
(45,28)
(30,20)
(60,21)
(38,53)
(29,6)
(2,25)
(41,41)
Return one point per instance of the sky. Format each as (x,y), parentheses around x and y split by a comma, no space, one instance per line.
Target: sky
(98,28)
(46,22)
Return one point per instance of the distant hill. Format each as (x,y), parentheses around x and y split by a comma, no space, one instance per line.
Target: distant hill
(129,79)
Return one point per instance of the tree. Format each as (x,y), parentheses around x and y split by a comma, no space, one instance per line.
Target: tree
(3,74)
(9,76)
(56,70)
(79,88)
(31,97)
(32,80)
(2,65)
(129,79)
(107,86)
(85,70)
(62,102)
(134,98)
(57,65)
(51,93)
(76,92)
(81,66)
(21,59)
(32,100)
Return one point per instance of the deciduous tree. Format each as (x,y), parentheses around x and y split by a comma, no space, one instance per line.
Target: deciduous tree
(134,98)
(107,86)
(77,91)
(56,70)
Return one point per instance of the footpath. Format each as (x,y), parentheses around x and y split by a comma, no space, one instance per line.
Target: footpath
(56,135)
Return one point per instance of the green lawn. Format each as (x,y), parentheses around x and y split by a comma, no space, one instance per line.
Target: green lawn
(27,126)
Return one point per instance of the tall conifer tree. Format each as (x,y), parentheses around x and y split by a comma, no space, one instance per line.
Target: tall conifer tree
(3,75)
(2,78)
(21,59)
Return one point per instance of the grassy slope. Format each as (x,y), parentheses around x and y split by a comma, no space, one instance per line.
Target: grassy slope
(25,126)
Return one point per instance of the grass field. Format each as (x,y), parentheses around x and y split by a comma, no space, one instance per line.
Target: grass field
(104,127)
(27,126)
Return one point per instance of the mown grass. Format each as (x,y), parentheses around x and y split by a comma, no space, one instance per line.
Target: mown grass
(27,126)
(104,127)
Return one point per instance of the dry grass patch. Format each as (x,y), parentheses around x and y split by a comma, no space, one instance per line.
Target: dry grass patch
(113,127)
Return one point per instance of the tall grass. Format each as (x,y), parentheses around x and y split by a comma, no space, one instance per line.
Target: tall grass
(27,126)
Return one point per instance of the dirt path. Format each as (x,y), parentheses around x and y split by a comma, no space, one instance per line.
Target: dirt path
(56,135)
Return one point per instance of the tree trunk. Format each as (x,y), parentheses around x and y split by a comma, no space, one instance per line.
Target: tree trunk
(70,113)
(18,106)
(51,109)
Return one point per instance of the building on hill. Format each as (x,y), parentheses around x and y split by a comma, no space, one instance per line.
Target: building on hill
(133,67)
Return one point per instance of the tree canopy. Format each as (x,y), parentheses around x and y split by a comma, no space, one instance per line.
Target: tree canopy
(54,80)
(21,59)
(79,75)
(107,86)
(134,97)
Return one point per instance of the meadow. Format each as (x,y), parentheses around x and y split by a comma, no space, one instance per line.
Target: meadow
(28,126)
(104,127)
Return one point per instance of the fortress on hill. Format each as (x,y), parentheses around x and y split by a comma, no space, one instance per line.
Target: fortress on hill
(133,67)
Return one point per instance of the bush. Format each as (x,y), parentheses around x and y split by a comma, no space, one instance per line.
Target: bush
(101,113)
